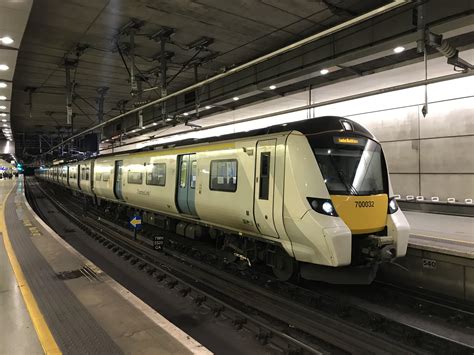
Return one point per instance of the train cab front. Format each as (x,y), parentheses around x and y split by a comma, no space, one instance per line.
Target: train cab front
(355,173)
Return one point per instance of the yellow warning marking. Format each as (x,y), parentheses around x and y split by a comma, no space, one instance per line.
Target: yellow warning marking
(441,239)
(45,336)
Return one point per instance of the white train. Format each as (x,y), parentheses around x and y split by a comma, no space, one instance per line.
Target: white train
(311,198)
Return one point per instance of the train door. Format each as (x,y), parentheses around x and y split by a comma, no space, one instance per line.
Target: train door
(118,172)
(67,175)
(264,187)
(92,175)
(118,179)
(186,184)
(79,176)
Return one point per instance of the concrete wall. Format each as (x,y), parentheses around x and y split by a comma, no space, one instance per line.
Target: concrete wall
(432,155)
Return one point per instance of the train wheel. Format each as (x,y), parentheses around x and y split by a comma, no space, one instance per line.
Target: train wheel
(284,266)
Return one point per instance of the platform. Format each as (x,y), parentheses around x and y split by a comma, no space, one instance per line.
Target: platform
(447,234)
(440,256)
(54,300)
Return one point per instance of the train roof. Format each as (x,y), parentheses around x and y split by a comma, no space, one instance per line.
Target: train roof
(307,127)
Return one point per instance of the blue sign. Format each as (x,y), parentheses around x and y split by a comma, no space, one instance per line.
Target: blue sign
(136,222)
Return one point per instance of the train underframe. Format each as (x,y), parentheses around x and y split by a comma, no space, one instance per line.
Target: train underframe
(245,252)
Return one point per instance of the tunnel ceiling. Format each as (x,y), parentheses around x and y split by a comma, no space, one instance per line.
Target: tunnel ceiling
(92,36)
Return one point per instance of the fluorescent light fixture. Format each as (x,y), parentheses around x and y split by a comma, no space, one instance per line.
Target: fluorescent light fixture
(3,114)
(3,107)
(208,107)
(272,87)
(235,98)
(5,125)
(6,40)
(185,113)
(169,119)
(143,127)
(3,97)
(399,49)
(134,131)
(4,67)
(4,120)
(3,85)
(324,71)
(155,124)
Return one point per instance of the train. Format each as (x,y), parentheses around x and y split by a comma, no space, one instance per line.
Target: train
(310,199)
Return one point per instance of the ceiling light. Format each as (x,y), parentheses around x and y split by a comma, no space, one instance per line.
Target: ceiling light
(4,67)
(3,107)
(324,71)
(399,49)
(143,127)
(3,98)
(272,87)
(169,119)
(3,85)
(134,131)
(6,40)
(185,113)
(5,125)
(3,114)
(155,124)
(208,107)
(235,98)
(4,120)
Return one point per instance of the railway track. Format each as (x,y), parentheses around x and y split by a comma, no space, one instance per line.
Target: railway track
(288,316)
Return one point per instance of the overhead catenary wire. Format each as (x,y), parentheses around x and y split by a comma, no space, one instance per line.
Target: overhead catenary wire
(364,17)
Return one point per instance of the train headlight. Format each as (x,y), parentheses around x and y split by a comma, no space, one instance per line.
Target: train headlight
(323,206)
(392,205)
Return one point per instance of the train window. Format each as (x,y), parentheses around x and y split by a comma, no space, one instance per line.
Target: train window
(264,176)
(192,183)
(98,176)
(85,173)
(157,175)
(135,177)
(183,174)
(105,176)
(223,175)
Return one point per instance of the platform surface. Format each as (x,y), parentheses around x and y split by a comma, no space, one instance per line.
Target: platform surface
(82,309)
(448,234)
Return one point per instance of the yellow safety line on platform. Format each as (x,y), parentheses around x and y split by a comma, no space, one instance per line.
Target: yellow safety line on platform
(45,336)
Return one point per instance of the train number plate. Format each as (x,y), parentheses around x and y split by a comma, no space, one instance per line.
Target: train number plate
(364,204)
(429,264)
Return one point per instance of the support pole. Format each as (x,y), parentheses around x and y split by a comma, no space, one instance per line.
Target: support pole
(100,111)
(163,67)
(68,64)
(197,100)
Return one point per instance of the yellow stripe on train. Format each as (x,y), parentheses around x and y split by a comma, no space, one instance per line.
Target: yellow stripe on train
(362,214)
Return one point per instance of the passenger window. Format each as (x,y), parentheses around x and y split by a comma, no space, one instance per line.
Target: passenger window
(135,177)
(193,174)
(264,176)
(98,176)
(223,175)
(183,174)
(157,175)
(105,176)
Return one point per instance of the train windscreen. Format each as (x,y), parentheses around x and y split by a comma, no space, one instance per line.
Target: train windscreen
(350,165)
